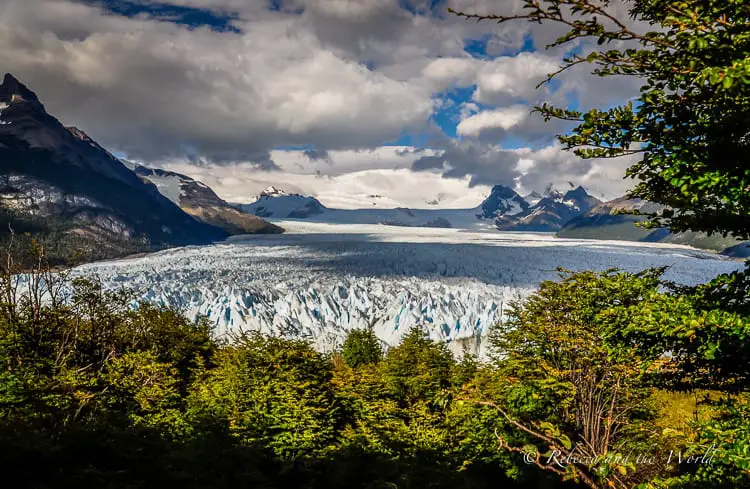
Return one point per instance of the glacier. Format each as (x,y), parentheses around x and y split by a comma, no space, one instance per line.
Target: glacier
(319,280)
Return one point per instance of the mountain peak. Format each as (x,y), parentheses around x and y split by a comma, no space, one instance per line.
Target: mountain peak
(272,191)
(502,201)
(12,90)
(576,192)
(580,199)
(503,192)
(558,189)
(276,203)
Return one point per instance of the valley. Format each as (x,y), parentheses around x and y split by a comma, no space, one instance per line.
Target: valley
(320,280)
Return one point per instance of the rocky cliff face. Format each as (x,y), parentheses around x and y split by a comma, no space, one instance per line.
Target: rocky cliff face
(58,182)
(502,201)
(616,220)
(198,200)
(549,213)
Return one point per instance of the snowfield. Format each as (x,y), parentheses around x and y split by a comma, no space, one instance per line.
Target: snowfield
(319,280)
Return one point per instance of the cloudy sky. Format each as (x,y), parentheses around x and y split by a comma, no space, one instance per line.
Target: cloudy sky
(343,99)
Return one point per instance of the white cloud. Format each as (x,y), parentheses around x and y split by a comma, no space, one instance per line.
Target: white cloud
(553,164)
(504,118)
(514,78)
(390,182)
(344,76)
(223,95)
(340,162)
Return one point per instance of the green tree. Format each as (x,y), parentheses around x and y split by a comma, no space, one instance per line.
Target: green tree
(559,386)
(418,370)
(100,392)
(361,347)
(690,125)
(700,345)
(688,132)
(272,393)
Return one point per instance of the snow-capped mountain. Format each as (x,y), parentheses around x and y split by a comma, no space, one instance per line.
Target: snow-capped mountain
(502,201)
(275,203)
(533,198)
(551,212)
(198,200)
(612,220)
(503,208)
(557,189)
(278,204)
(59,183)
(272,191)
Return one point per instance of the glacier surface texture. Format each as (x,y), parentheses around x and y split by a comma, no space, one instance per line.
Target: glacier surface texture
(320,280)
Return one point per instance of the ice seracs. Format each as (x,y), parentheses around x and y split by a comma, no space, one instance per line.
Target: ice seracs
(321,280)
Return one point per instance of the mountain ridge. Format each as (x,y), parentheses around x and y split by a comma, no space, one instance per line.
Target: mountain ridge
(612,220)
(503,209)
(200,201)
(59,184)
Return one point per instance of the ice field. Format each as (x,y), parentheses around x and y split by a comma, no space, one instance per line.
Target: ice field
(319,280)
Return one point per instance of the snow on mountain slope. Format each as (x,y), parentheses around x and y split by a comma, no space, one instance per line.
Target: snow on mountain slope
(502,201)
(318,281)
(503,209)
(274,203)
(533,198)
(551,212)
(277,204)
(169,185)
(63,186)
(197,199)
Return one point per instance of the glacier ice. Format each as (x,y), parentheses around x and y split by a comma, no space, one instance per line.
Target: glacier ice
(320,280)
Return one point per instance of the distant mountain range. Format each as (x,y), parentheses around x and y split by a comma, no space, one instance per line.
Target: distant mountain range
(607,221)
(549,213)
(504,209)
(570,213)
(59,184)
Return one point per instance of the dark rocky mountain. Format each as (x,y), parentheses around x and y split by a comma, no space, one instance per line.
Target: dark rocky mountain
(533,197)
(606,220)
(278,204)
(550,213)
(610,221)
(502,201)
(58,183)
(198,200)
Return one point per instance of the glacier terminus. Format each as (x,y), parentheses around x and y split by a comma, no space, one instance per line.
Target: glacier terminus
(319,280)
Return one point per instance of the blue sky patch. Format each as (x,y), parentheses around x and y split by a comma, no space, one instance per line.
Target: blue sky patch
(436,8)
(185,16)
(488,47)
(449,115)
(417,140)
